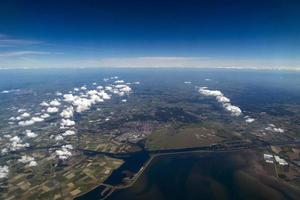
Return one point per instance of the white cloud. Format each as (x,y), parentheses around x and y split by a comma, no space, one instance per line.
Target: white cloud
(119,81)
(273,128)
(15,139)
(30,134)
(58,93)
(68,132)
(21,110)
(12,119)
(82,104)
(37,119)
(234,110)
(52,110)
(249,119)
(58,138)
(204,91)
(44,103)
(55,103)
(222,99)
(4,151)
(64,153)
(30,161)
(31,121)
(16,144)
(26,123)
(25,115)
(187,82)
(4,171)
(45,115)
(67,113)
(66,123)
(104,95)
(69,98)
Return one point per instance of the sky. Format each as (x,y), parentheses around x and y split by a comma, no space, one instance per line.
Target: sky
(141,33)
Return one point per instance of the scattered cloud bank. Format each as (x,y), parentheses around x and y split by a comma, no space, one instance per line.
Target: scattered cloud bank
(234,110)
(78,100)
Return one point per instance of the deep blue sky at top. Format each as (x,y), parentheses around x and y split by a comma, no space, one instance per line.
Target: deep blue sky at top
(262,29)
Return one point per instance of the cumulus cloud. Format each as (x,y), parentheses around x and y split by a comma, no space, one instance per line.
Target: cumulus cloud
(68,132)
(58,93)
(44,103)
(234,110)
(122,89)
(206,92)
(249,119)
(83,88)
(58,138)
(222,99)
(82,104)
(66,123)
(21,110)
(26,123)
(45,115)
(69,98)
(119,81)
(12,119)
(187,82)
(54,103)
(65,152)
(52,109)
(30,134)
(25,115)
(104,95)
(31,121)
(67,113)
(37,119)
(4,171)
(16,144)
(30,161)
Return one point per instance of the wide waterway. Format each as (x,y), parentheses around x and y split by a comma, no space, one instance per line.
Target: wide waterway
(204,176)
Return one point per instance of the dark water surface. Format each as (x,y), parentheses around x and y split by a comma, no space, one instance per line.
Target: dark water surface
(194,176)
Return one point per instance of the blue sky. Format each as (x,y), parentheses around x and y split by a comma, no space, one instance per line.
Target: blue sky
(110,33)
